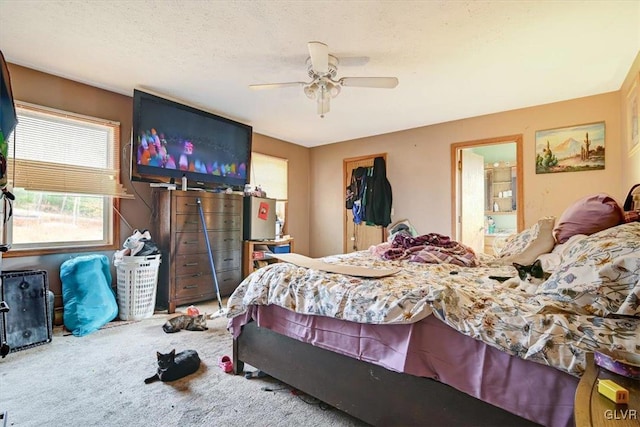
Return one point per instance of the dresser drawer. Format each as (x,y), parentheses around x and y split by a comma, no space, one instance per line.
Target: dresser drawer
(214,221)
(215,203)
(229,280)
(200,264)
(193,243)
(197,286)
(194,286)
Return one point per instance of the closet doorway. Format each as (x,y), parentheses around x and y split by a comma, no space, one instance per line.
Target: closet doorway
(357,237)
(487,196)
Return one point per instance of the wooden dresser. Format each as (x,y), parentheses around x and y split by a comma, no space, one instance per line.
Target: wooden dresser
(185,272)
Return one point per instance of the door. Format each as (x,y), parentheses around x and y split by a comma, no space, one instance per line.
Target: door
(359,237)
(473,200)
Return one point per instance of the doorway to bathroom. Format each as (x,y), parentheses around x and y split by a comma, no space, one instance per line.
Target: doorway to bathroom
(487,191)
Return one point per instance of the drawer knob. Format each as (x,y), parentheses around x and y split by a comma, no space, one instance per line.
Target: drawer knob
(191,287)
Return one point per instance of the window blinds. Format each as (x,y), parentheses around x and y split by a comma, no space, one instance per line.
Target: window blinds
(270,173)
(63,152)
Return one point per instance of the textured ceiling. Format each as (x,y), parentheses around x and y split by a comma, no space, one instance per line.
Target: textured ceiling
(454,59)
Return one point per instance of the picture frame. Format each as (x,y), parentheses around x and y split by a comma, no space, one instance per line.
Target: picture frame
(575,148)
(632,110)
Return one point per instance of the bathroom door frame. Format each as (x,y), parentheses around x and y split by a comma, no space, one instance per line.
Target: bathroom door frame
(456,173)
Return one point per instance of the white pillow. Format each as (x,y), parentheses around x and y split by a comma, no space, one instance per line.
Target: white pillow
(542,243)
(516,243)
(552,260)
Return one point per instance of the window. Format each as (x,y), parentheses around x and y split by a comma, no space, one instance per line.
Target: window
(270,174)
(65,170)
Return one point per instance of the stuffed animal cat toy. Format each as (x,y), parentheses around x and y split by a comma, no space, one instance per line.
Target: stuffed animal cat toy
(184,321)
(172,366)
(529,277)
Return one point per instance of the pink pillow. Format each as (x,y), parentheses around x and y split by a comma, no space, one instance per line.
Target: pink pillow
(587,216)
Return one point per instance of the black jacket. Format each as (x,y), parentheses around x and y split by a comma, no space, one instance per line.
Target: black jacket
(379,203)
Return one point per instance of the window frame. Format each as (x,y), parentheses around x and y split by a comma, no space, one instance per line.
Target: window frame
(285,202)
(111,204)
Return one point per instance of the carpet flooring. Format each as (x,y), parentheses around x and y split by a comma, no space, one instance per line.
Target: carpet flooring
(97,380)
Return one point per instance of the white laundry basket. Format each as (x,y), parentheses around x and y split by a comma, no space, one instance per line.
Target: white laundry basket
(137,286)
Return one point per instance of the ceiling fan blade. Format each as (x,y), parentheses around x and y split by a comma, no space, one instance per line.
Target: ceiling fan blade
(319,53)
(378,82)
(275,85)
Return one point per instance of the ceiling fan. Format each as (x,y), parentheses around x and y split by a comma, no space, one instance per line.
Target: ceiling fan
(322,67)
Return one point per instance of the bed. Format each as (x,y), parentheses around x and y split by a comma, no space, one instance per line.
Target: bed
(441,343)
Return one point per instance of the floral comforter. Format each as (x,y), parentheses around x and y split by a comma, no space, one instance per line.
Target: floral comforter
(541,327)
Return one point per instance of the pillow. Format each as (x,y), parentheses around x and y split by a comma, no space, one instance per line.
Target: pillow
(539,241)
(587,216)
(601,273)
(88,300)
(551,261)
(516,243)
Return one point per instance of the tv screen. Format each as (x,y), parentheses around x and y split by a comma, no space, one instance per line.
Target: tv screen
(171,140)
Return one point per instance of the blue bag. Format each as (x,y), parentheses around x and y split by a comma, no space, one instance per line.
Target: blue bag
(88,299)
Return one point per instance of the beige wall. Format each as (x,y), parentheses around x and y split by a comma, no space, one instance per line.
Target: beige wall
(418,163)
(418,167)
(630,164)
(45,89)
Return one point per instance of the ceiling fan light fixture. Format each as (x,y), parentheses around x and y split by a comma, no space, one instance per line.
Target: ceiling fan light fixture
(334,89)
(322,68)
(310,90)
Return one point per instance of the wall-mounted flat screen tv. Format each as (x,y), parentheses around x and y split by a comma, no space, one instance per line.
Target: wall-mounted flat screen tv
(172,140)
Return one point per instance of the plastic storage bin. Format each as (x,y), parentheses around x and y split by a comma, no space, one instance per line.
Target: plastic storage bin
(280,249)
(137,286)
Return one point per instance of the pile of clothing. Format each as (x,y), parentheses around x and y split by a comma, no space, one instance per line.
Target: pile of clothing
(432,248)
(138,244)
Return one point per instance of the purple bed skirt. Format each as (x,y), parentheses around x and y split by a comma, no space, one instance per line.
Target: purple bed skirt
(432,349)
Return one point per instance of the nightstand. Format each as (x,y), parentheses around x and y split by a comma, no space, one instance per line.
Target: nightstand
(593,409)
(253,259)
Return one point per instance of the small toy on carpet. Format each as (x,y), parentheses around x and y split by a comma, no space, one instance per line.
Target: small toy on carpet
(225,364)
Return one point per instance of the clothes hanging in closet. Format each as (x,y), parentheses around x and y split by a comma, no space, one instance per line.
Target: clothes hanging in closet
(369,194)
(355,194)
